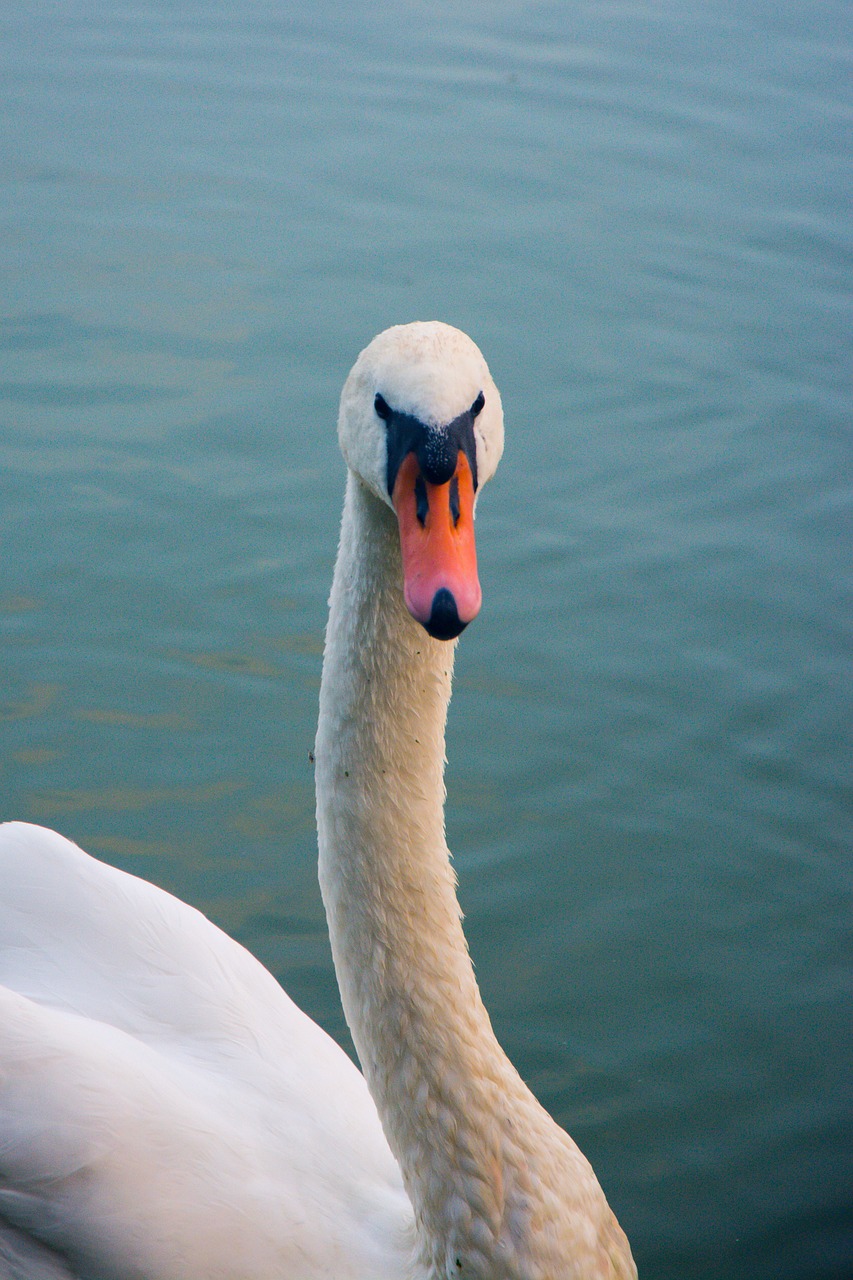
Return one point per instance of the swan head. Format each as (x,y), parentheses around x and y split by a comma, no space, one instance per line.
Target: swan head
(421,425)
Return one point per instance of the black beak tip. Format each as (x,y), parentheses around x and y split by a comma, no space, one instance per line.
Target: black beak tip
(444,622)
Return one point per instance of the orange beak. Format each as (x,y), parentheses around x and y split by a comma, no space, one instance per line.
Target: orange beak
(440,583)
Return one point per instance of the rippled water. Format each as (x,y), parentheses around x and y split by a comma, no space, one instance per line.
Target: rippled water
(641,213)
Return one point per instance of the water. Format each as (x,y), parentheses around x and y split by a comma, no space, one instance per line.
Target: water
(641,213)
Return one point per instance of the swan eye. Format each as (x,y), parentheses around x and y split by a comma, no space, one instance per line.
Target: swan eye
(382,407)
(477,406)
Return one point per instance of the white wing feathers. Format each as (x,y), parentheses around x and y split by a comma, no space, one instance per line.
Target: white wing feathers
(165,1109)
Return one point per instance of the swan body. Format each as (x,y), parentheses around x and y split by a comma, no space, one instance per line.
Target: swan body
(165,1109)
(166,1112)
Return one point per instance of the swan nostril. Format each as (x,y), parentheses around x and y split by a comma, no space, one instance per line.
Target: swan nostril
(455,509)
(421,500)
(444,622)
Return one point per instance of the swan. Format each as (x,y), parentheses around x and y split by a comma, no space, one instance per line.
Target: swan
(166,1111)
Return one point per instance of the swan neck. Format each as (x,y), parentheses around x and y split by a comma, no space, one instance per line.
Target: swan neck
(407,983)
(499,1191)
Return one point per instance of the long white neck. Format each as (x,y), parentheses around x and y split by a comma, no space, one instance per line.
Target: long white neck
(478,1154)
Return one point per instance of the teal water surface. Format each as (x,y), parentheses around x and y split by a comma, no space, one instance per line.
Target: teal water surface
(642,215)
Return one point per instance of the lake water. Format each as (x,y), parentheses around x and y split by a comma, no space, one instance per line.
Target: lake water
(641,212)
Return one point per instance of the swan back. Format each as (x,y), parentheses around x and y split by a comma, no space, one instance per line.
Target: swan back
(158,1087)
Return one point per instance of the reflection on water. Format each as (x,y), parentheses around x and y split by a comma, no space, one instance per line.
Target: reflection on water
(642,214)
(36,700)
(120,799)
(241,663)
(132,720)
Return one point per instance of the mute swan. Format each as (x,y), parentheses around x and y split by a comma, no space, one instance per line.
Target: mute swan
(166,1112)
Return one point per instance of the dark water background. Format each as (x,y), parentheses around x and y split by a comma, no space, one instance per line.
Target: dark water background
(642,214)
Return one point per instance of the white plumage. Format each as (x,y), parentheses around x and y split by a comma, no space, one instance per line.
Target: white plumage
(167,1113)
(165,1109)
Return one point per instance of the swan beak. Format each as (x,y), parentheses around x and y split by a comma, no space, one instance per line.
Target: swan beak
(440,583)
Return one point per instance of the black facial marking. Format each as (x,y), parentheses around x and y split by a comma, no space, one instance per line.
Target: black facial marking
(437,449)
(421,500)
